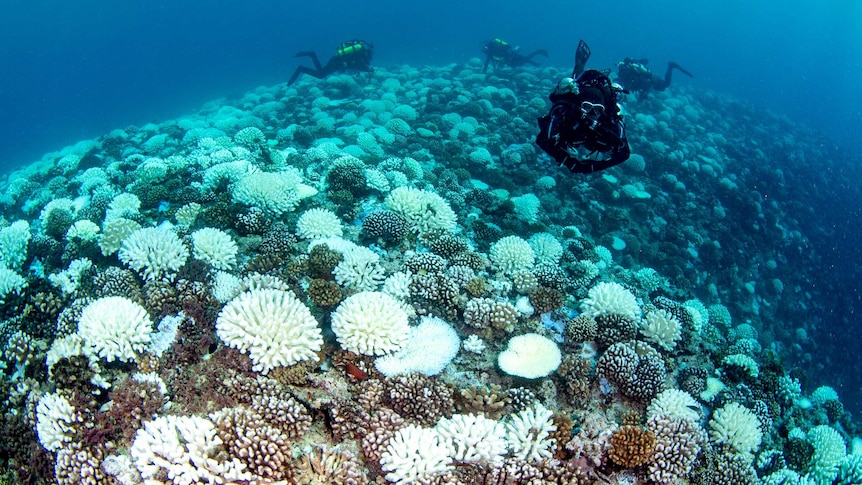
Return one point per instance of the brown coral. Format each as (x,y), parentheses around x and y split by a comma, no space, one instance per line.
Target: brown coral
(419,398)
(328,467)
(489,401)
(324,293)
(631,446)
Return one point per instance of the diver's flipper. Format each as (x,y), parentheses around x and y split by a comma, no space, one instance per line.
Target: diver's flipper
(676,66)
(581,58)
(313,56)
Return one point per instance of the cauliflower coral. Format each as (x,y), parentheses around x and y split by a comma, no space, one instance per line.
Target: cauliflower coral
(115,328)
(370,323)
(272,326)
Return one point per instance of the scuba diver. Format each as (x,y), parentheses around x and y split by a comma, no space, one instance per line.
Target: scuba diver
(635,75)
(500,53)
(584,130)
(353,55)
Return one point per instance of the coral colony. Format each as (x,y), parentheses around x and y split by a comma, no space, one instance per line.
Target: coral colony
(344,283)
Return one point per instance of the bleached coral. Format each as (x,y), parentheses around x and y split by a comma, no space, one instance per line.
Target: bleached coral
(676,404)
(526,207)
(661,328)
(187,450)
(429,349)
(546,248)
(423,209)
(153,252)
(83,230)
(55,421)
(736,426)
(530,356)
(115,328)
(70,279)
(13,244)
(529,433)
(359,270)
(474,344)
(123,205)
(272,326)
(474,438)
(512,254)
(225,286)
(214,247)
(10,282)
(744,362)
(318,223)
(274,192)
(370,323)
(113,234)
(414,453)
(610,299)
(829,450)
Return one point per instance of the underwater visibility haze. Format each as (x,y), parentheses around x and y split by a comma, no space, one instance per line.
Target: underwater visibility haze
(211,275)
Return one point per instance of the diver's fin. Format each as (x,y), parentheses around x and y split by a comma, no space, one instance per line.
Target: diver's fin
(581,57)
(676,66)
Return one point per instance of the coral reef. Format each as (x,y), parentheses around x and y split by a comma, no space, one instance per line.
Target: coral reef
(325,283)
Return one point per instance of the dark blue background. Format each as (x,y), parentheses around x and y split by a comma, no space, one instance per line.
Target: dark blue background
(74,70)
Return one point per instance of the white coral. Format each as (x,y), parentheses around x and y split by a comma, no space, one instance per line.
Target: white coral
(186,450)
(214,247)
(153,252)
(546,248)
(661,328)
(413,454)
(474,439)
(431,346)
(370,323)
(424,210)
(318,223)
(529,431)
(360,270)
(512,254)
(530,356)
(610,299)
(115,328)
(55,418)
(736,426)
(676,404)
(272,326)
(275,193)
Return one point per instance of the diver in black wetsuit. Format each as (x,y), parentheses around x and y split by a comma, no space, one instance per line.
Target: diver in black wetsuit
(584,130)
(353,55)
(634,75)
(500,53)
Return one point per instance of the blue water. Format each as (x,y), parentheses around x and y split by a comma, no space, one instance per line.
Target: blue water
(76,70)
(73,70)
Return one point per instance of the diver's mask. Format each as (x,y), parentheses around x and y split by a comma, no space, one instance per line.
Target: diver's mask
(591,112)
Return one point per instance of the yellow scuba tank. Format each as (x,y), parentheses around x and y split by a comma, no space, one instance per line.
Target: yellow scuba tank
(346,50)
